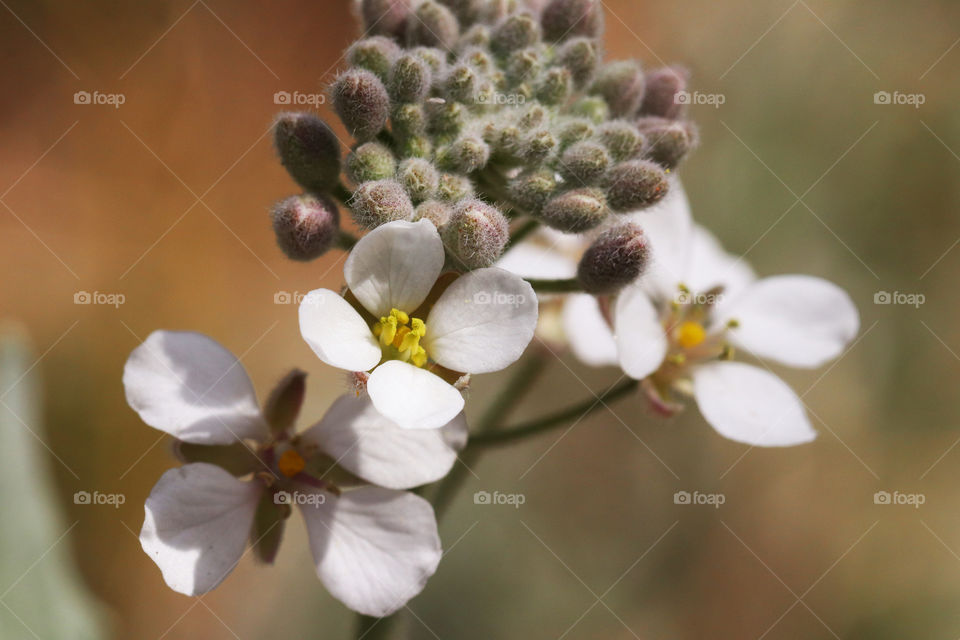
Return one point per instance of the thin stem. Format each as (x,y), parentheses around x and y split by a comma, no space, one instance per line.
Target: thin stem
(569,285)
(341,193)
(579,411)
(523,231)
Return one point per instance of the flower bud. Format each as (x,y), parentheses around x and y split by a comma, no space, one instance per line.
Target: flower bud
(533,116)
(574,130)
(584,163)
(435,211)
(564,19)
(453,188)
(466,154)
(580,56)
(555,86)
(531,191)
(523,65)
(467,11)
(408,120)
(663,86)
(369,162)
(305,226)
(537,146)
(575,211)
(444,119)
(621,86)
(309,150)
(410,79)
(623,140)
(376,203)
(374,54)
(516,32)
(667,141)
(476,234)
(435,58)
(461,84)
(433,25)
(615,259)
(385,17)
(478,58)
(634,185)
(416,147)
(283,405)
(476,36)
(419,177)
(361,101)
(592,108)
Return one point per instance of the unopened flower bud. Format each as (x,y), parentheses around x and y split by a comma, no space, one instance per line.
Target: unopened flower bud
(385,17)
(370,161)
(435,211)
(461,84)
(444,118)
(476,234)
(621,86)
(564,19)
(309,150)
(593,108)
(361,101)
(555,86)
(374,54)
(416,147)
(410,79)
(523,65)
(615,259)
(533,116)
(575,211)
(635,184)
(477,58)
(467,11)
(408,120)
(453,187)
(283,405)
(306,226)
(376,203)
(467,154)
(580,56)
(667,141)
(419,177)
(537,146)
(476,36)
(573,131)
(623,140)
(433,25)
(531,191)
(584,163)
(516,32)
(663,87)
(435,58)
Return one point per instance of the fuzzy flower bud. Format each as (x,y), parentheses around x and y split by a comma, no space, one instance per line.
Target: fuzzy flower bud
(476,36)
(433,25)
(634,185)
(467,154)
(467,11)
(555,86)
(385,17)
(663,86)
(531,191)
(593,108)
(419,177)
(306,226)
(478,58)
(623,140)
(574,130)
(435,211)
(575,211)
(376,203)
(667,141)
(537,146)
(461,84)
(516,32)
(408,120)
(374,54)
(416,147)
(309,150)
(369,162)
(476,234)
(580,56)
(444,119)
(523,65)
(621,86)
(584,163)
(564,19)
(361,101)
(453,187)
(410,79)
(435,58)
(615,259)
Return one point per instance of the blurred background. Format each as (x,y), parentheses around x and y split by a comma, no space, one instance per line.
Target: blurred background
(163,200)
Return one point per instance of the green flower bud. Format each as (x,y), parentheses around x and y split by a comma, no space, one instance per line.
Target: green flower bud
(309,150)
(385,17)
(667,141)
(592,108)
(433,25)
(663,86)
(533,116)
(581,57)
(435,211)
(461,84)
(453,188)
(555,86)
(416,147)
(369,162)
(634,185)
(537,146)
(516,32)
(478,59)
(305,226)
(523,65)
(574,130)
(564,19)
(435,58)
(419,177)
(584,163)
(615,259)
(361,101)
(376,203)
(477,36)
(467,154)
(575,211)
(408,120)
(374,54)
(623,140)
(444,119)
(410,79)
(532,190)
(621,86)
(476,234)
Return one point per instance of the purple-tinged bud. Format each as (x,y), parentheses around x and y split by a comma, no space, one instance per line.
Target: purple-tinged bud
(461,84)
(623,140)
(584,163)
(581,57)
(532,190)
(410,79)
(453,187)
(467,154)
(663,87)
(370,161)
(555,86)
(564,19)
(516,32)
(283,405)
(379,202)
(593,108)
(408,120)
(362,103)
(308,149)
(385,17)
(476,234)
(467,11)
(306,226)
(573,131)
(621,86)
(616,258)
(433,25)
(374,54)
(419,177)
(435,211)
(667,141)
(635,185)
(575,211)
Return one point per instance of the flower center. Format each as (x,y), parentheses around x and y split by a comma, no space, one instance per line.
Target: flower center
(400,336)
(690,334)
(291,463)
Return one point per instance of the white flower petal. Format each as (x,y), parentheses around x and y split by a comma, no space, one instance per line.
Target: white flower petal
(590,337)
(641,338)
(412,397)
(336,332)
(198,521)
(374,548)
(544,256)
(711,266)
(395,266)
(189,386)
(376,449)
(799,321)
(751,405)
(483,322)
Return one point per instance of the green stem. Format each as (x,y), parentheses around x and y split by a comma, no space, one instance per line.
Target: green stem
(570,285)
(369,628)
(523,231)
(341,193)
(527,429)
(346,240)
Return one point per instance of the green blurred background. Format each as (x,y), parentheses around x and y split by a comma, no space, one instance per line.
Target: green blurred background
(164,200)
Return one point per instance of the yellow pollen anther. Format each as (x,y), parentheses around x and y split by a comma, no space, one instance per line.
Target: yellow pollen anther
(291,463)
(403,333)
(689,334)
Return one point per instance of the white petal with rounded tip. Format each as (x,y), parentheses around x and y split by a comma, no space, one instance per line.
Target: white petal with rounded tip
(483,322)
(641,339)
(711,266)
(547,254)
(395,266)
(799,321)
(378,450)
(412,397)
(336,332)
(198,520)
(751,405)
(191,387)
(374,548)
(590,337)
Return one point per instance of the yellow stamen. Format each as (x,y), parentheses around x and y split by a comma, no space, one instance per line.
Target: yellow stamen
(689,334)
(291,463)
(403,333)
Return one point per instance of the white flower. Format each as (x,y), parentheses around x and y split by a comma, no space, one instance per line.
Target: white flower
(374,547)
(677,327)
(410,330)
